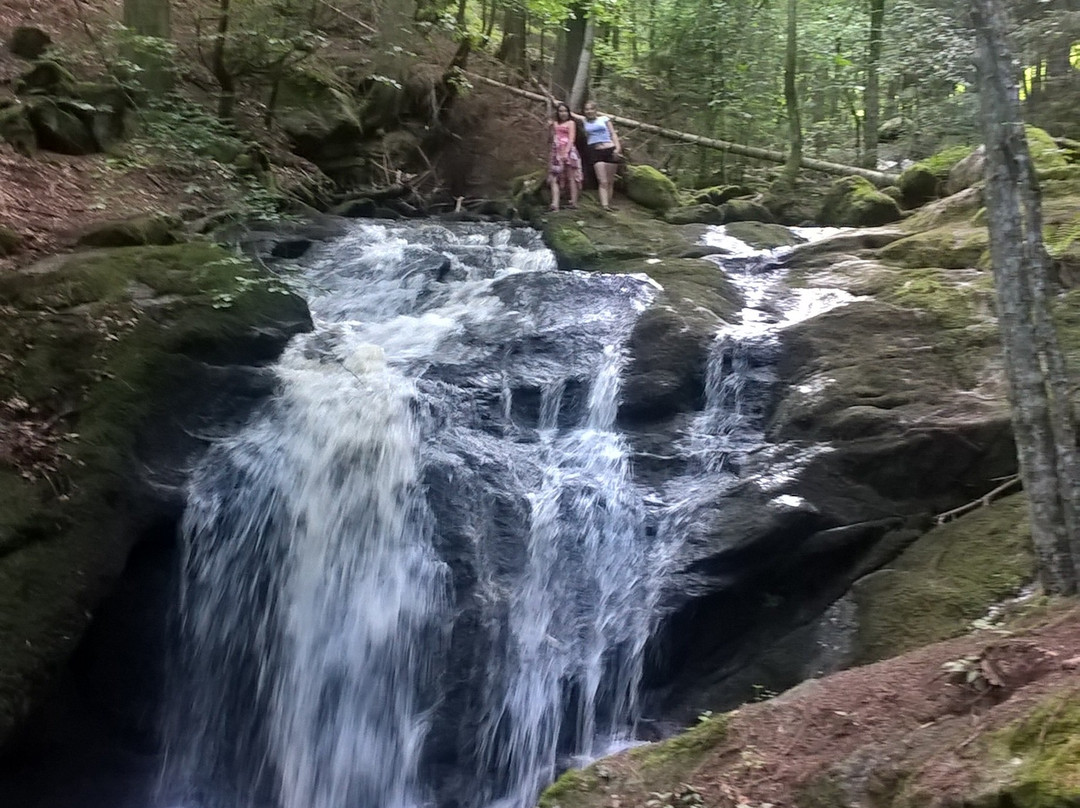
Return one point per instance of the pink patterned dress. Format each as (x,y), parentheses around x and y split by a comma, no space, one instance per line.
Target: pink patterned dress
(564,166)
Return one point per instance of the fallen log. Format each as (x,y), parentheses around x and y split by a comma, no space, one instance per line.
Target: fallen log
(879,178)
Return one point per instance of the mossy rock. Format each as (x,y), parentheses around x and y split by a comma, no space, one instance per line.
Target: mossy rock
(762,235)
(572,248)
(16,129)
(745,210)
(1045,153)
(104,344)
(60,129)
(319,116)
(946,247)
(926,179)
(945,580)
(28,41)
(704,213)
(136,231)
(956,302)
(46,76)
(9,240)
(649,188)
(854,202)
(718,194)
(1041,756)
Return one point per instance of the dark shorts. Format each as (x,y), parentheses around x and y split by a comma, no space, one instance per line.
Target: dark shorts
(603,155)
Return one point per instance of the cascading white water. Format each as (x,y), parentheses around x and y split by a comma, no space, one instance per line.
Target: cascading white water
(317,608)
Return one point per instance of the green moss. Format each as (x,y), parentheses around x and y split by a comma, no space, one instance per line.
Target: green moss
(571,246)
(854,202)
(572,787)
(945,247)
(941,164)
(1042,755)
(1066,313)
(649,188)
(1046,155)
(99,342)
(945,580)
(954,303)
(677,756)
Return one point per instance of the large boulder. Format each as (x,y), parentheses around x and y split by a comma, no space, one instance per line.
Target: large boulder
(28,41)
(854,202)
(59,127)
(745,210)
(967,173)
(702,213)
(926,179)
(46,76)
(319,116)
(649,188)
(115,359)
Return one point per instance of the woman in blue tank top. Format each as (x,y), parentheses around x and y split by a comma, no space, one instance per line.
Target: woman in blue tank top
(604,151)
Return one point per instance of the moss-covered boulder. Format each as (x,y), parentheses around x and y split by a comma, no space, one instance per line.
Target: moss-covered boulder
(28,41)
(109,359)
(745,210)
(16,129)
(719,194)
(967,173)
(9,240)
(1046,154)
(703,213)
(46,76)
(950,246)
(135,231)
(854,202)
(926,179)
(319,116)
(649,188)
(572,248)
(948,578)
(59,127)
(762,235)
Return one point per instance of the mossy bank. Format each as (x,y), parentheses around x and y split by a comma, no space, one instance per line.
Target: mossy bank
(105,356)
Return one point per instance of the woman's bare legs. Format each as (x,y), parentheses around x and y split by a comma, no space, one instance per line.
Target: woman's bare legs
(575,189)
(605,180)
(553,184)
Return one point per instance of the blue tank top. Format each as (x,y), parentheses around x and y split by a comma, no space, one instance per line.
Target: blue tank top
(596,130)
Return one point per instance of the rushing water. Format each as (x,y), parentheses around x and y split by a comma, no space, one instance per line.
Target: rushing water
(427,574)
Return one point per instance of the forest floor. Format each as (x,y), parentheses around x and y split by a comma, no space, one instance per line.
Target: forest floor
(49,198)
(927,719)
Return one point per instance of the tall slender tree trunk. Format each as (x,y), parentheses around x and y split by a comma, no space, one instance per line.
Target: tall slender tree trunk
(222,74)
(581,77)
(791,96)
(150,18)
(1043,418)
(871,96)
(512,48)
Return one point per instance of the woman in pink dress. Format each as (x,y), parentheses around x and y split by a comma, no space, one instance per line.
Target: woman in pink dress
(564,167)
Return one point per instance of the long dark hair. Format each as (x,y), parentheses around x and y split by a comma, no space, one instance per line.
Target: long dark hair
(555,112)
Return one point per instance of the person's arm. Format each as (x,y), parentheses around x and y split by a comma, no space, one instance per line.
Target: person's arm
(614,137)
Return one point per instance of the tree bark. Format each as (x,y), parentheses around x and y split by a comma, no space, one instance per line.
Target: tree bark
(1043,418)
(879,178)
(222,74)
(581,77)
(150,18)
(512,48)
(568,53)
(791,96)
(871,96)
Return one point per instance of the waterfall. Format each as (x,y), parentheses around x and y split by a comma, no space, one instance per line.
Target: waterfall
(322,577)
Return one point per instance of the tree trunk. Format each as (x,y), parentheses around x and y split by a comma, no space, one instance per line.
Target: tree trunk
(568,53)
(1043,419)
(512,48)
(581,77)
(871,99)
(791,97)
(150,18)
(224,78)
(880,178)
